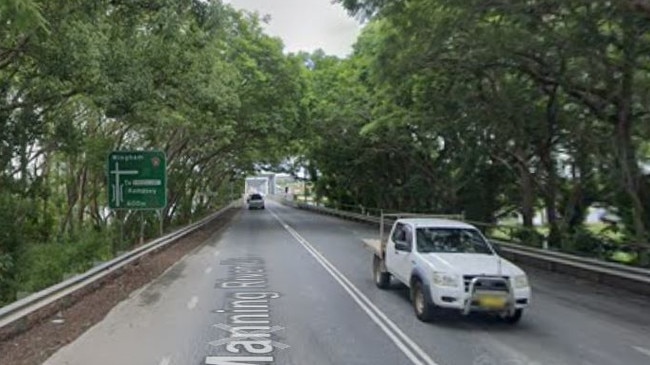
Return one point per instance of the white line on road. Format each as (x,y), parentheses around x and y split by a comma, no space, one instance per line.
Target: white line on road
(208,270)
(165,361)
(401,340)
(642,350)
(193,302)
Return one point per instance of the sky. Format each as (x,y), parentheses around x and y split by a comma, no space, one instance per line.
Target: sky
(306,25)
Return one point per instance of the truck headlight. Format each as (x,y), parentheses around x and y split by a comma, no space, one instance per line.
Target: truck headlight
(521,281)
(442,279)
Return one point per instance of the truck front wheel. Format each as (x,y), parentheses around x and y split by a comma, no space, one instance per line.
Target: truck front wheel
(382,279)
(424,308)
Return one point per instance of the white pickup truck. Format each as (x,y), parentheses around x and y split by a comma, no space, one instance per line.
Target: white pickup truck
(448,264)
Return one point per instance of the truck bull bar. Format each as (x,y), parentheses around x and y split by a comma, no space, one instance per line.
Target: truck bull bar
(510,307)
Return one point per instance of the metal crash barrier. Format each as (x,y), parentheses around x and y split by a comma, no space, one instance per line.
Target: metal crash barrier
(621,276)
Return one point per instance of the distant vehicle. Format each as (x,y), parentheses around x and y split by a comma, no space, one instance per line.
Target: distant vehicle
(255,201)
(449,264)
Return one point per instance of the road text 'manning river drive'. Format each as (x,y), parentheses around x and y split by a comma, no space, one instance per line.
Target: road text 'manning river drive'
(248,315)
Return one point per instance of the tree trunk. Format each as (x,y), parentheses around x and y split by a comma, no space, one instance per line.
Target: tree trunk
(526,188)
(47,192)
(625,150)
(83,177)
(72,195)
(549,165)
(528,197)
(94,211)
(170,210)
(572,216)
(626,155)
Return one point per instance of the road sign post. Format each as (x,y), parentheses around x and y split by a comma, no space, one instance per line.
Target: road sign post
(161,213)
(137,180)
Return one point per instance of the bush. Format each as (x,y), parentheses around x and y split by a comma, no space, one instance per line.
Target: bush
(528,236)
(6,280)
(583,242)
(43,265)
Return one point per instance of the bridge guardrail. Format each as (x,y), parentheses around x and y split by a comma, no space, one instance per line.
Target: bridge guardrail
(626,277)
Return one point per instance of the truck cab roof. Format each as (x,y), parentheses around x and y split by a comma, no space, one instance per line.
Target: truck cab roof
(435,222)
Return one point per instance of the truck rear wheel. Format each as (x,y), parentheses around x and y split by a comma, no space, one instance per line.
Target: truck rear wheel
(422,305)
(382,279)
(515,317)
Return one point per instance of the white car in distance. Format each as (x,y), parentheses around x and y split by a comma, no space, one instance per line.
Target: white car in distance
(449,264)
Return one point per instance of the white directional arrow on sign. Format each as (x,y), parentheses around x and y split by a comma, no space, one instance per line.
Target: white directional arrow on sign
(118,193)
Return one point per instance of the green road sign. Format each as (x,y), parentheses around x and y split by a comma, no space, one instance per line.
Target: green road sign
(137,180)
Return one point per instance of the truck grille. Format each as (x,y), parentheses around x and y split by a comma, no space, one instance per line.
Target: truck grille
(491,283)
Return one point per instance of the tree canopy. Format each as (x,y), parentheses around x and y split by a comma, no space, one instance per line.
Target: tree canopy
(488,108)
(480,107)
(197,80)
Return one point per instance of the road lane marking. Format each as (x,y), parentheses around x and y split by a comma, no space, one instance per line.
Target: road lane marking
(165,361)
(193,302)
(399,338)
(208,270)
(642,350)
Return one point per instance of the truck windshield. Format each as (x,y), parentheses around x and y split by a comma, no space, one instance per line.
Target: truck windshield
(451,240)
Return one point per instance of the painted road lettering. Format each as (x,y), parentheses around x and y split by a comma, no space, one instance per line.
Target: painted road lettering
(248,315)
(244,273)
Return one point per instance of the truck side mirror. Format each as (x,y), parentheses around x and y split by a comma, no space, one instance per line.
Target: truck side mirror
(402,246)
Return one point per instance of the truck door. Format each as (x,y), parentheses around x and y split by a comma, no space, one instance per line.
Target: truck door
(398,257)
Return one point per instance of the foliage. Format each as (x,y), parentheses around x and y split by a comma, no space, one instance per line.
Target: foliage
(474,107)
(198,80)
(42,265)
(584,242)
(488,107)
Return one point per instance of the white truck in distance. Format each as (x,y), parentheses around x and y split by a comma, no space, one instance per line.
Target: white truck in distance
(448,264)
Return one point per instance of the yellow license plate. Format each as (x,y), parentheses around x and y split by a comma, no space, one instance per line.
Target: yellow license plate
(492,302)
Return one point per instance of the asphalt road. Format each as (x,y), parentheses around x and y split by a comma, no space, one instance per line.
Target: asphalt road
(284,286)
